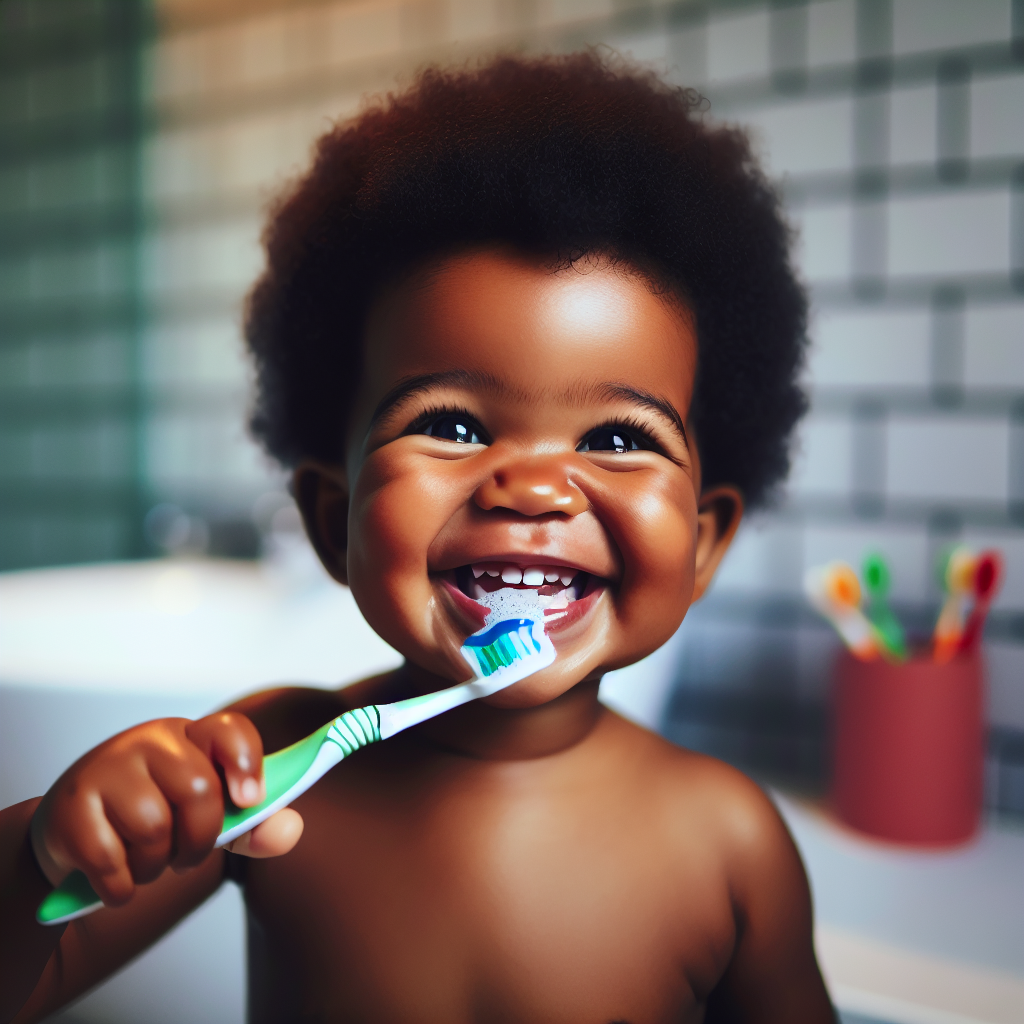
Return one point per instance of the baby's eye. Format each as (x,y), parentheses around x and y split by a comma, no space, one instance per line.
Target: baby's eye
(613,439)
(453,427)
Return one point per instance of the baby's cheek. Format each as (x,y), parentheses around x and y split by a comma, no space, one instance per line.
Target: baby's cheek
(392,518)
(397,509)
(658,530)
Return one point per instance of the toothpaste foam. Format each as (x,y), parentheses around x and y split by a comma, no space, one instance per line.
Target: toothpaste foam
(510,603)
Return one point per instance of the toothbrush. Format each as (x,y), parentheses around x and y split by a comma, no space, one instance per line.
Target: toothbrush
(502,653)
(834,591)
(957,568)
(988,575)
(877,580)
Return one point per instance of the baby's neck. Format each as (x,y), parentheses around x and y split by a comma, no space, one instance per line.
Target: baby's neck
(487,733)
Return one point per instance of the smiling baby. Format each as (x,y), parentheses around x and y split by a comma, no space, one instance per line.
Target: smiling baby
(528,325)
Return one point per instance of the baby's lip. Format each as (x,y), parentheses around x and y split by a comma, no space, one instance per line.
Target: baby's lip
(475,613)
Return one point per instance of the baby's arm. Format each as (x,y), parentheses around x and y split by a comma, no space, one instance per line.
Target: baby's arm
(148,798)
(773,974)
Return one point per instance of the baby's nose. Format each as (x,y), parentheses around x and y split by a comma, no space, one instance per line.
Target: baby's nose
(532,489)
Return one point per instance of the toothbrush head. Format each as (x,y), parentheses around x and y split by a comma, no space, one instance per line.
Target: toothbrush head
(842,588)
(956,570)
(512,644)
(988,575)
(877,577)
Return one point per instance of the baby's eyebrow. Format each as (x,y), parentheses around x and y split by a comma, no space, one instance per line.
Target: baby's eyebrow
(475,379)
(646,400)
(418,383)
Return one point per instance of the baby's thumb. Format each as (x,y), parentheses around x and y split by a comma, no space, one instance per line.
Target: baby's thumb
(270,838)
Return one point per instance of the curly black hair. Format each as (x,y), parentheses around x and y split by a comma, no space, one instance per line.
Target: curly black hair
(561,155)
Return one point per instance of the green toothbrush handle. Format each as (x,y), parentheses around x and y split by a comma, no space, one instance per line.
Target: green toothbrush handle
(288,773)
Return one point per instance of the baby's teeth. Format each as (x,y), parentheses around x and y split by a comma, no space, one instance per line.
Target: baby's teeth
(550,577)
(567,579)
(533,577)
(477,572)
(512,574)
(492,572)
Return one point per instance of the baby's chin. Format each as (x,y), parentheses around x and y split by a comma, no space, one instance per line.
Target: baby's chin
(541,688)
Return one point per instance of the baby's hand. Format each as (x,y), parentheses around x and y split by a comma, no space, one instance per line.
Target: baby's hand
(152,797)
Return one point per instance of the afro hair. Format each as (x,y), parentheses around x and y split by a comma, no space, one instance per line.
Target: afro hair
(567,156)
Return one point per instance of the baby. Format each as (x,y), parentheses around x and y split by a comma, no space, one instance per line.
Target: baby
(527,325)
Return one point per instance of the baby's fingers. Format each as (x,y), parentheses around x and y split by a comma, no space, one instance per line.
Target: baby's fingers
(271,838)
(88,841)
(189,781)
(231,741)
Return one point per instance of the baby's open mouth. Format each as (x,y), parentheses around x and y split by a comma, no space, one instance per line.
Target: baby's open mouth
(557,586)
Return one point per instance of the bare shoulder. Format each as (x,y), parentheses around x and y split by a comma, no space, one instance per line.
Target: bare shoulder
(695,792)
(712,813)
(716,794)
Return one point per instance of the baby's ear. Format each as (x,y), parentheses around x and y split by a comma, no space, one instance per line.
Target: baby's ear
(321,492)
(718,517)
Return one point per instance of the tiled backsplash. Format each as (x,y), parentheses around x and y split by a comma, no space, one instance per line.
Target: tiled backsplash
(894,128)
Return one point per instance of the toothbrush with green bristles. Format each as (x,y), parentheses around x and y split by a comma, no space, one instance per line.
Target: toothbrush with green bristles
(510,647)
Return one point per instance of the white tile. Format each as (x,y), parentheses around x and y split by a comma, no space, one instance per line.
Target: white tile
(804,137)
(765,557)
(205,353)
(202,259)
(940,24)
(950,234)
(957,458)
(824,241)
(688,55)
(905,548)
(245,158)
(1005,664)
(822,456)
(912,125)
(997,116)
(889,348)
(650,48)
(994,346)
(206,452)
(831,33)
(738,47)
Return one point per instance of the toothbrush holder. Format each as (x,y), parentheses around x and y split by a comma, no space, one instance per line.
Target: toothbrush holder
(908,748)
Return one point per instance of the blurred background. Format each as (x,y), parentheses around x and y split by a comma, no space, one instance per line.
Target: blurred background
(139,147)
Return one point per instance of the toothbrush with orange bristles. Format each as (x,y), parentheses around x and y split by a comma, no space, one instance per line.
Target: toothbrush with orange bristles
(834,590)
(956,571)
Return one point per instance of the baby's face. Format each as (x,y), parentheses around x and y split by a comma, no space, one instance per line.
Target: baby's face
(516,426)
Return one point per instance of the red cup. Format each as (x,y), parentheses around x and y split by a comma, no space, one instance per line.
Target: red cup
(908,755)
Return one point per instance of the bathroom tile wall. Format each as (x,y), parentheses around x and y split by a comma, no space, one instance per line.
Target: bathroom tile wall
(70,327)
(895,132)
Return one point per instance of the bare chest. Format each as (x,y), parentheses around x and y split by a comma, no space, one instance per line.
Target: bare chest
(464,909)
